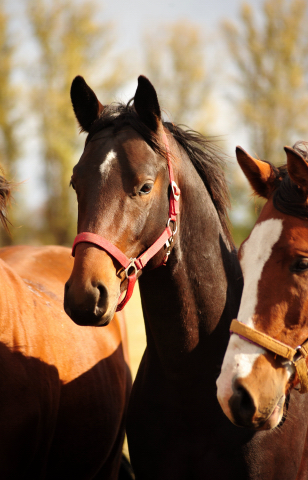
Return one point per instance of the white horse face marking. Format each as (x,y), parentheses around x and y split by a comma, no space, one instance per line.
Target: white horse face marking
(241,355)
(107,164)
(255,253)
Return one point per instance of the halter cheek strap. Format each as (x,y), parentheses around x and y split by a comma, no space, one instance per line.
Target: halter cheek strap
(133,265)
(297,356)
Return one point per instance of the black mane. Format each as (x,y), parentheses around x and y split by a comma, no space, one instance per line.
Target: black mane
(289,198)
(204,153)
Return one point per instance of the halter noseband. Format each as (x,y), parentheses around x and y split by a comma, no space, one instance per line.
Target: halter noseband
(297,356)
(133,265)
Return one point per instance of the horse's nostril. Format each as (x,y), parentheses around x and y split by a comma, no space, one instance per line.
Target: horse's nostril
(246,401)
(102,298)
(242,405)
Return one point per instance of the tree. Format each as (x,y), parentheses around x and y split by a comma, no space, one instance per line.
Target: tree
(272,74)
(176,63)
(69,41)
(269,50)
(8,100)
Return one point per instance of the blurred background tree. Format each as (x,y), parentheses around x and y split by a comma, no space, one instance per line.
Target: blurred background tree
(176,61)
(70,41)
(9,149)
(270,62)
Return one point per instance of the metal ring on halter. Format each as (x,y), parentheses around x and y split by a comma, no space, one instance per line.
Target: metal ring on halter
(176,227)
(131,265)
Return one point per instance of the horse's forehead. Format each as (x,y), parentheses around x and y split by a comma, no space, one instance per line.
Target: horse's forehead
(125,144)
(259,246)
(294,233)
(272,231)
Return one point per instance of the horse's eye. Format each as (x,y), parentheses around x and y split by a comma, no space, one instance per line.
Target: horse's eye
(146,188)
(300,265)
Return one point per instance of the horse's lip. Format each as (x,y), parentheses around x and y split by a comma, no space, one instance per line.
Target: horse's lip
(277,408)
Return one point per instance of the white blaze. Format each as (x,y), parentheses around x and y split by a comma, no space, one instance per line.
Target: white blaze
(107,163)
(255,253)
(240,354)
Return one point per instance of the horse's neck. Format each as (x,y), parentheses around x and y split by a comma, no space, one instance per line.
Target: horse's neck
(189,304)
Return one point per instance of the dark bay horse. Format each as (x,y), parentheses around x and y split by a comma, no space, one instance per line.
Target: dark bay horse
(63,389)
(152,199)
(265,368)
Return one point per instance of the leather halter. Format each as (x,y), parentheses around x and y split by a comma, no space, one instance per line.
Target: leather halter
(297,356)
(132,266)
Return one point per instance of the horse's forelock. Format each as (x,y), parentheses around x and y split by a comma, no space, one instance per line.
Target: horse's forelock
(119,116)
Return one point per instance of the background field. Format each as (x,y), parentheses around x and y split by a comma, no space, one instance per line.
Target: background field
(135,329)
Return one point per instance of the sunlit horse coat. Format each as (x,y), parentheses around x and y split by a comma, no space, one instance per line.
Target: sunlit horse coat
(63,389)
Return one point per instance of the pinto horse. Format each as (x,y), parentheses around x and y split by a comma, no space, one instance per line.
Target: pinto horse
(152,203)
(63,389)
(264,370)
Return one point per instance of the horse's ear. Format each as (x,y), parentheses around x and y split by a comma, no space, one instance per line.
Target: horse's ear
(146,104)
(297,168)
(260,175)
(85,103)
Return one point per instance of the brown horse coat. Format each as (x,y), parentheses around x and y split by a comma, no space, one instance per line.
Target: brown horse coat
(63,389)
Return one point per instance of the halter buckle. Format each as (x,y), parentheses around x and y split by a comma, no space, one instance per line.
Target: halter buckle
(175,227)
(298,355)
(131,265)
(176,191)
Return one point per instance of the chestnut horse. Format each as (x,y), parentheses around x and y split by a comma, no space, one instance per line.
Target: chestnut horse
(63,389)
(152,199)
(264,370)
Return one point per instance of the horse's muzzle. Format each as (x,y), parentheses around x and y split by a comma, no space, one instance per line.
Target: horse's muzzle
(88,307)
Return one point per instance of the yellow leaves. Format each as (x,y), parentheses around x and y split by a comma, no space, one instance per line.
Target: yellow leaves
(70,41)
(272,73)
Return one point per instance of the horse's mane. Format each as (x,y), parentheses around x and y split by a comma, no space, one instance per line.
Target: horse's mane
(5,192)
(288,197)
(204,153)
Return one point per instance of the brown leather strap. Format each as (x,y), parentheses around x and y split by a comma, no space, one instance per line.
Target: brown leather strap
(263,340)
(301,369)
(280,348)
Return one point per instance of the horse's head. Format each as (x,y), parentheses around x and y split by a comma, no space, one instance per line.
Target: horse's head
(122,186)
(259,370)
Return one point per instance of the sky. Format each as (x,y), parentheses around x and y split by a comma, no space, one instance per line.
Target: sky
(133,16)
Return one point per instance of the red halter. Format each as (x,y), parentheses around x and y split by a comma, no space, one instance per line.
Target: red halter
(166,238)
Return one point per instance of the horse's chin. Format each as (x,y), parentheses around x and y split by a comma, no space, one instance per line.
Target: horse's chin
(104,321)
(89,319)
(274,418)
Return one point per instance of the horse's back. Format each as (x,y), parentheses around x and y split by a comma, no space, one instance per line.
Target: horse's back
(64,388)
